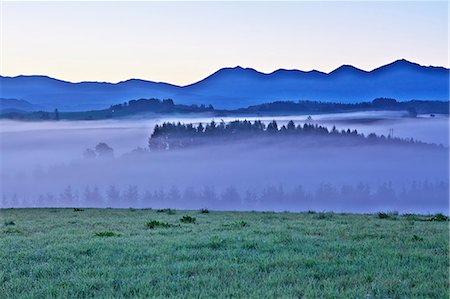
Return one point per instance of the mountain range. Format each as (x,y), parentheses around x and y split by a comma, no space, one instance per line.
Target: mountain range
(240,87)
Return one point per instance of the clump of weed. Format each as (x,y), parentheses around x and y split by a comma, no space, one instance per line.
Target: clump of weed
(324,216)
(439,217)
(204,211)
(216,243)
(154,224)
(87,252)
(250,245)
(77,210)
(107,234)
(241,223)
(411,217)
(7,223)
(10,230)
(167,211)
(188,219)
(383,215)
(417,238)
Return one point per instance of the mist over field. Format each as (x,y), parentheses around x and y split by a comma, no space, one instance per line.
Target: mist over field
(43,165)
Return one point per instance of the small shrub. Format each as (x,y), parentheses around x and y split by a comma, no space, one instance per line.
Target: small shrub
(77,210)
(188,219)
(311,212)
(167,211)
(204,211)
(9,223)
(154,224)
(107,234)
(417,238)
(439,217)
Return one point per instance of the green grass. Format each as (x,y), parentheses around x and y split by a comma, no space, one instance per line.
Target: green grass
(58,253)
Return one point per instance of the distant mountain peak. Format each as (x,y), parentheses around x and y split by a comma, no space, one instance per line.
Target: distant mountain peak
(239,68)
(406,65)
(228,72)
(347,69)
(402,63)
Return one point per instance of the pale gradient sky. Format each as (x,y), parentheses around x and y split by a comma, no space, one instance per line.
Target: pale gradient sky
(182,42)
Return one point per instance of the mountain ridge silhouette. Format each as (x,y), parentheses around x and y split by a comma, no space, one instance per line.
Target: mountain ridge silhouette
(234,87)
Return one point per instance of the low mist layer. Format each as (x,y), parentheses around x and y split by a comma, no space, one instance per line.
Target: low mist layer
(43,165)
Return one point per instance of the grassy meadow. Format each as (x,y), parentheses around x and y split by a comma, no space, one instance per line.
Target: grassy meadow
(127,253)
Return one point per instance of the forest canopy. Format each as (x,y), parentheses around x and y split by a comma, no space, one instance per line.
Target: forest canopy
(178,135)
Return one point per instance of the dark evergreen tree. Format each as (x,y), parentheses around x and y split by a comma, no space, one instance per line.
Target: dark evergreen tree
(104,151)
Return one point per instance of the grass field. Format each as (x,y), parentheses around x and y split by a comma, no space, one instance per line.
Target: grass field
(147,253)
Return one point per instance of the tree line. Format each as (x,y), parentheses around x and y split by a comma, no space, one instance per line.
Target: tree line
(179,135)
(275,197)
(167,106)
(413,107)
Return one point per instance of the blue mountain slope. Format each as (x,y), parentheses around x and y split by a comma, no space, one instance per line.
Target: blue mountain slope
(238,87)
(8,105)
(49,92)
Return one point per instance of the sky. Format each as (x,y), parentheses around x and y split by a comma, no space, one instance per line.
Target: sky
(183,42)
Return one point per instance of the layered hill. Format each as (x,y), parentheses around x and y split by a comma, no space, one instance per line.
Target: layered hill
(239,87)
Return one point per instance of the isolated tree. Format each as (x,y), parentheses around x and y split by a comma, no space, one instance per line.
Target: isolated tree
(174,195)
(92,197)
(250,200)
(131,196)
(200,128)
(190,199)
(67,198)
(208,196)
(113,196)
(104,151)
(291,126)
(272,127)
(334,130)
(230,199)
